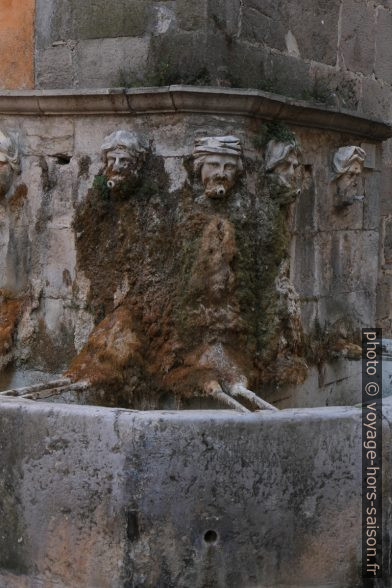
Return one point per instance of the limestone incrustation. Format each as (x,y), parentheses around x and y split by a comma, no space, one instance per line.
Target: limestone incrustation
(170,290)
(281,163)
(9,162)
(123,156)
(10,309)
(219,162)
(194,318)
(348,168)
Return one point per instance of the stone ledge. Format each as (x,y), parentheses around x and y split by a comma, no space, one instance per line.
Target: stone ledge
(190,417)
(201,100)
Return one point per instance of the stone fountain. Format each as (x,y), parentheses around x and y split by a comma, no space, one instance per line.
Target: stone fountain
(185,275)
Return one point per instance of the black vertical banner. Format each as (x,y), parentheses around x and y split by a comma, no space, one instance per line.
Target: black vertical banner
(372,453)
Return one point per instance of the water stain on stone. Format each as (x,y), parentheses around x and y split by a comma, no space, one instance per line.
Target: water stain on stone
(201,301)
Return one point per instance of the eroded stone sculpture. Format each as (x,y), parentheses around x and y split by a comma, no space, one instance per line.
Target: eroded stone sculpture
(123,156)
(281,163)
(348,165)
(201,312)
(9,162)
(219,162)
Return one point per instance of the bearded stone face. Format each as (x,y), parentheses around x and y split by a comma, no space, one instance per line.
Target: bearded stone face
(286,171)
(218,174)
(350,184)
(282,167)
(122,168)
(284,179)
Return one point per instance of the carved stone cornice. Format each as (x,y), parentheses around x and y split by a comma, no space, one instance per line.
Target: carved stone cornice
(192,99)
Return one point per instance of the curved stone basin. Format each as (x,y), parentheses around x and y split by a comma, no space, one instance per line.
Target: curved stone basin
(108,498)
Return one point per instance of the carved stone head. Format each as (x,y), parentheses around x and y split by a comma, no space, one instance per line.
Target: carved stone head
(123,156)
(281,163)
(9,163)
(348,167)
(219,161)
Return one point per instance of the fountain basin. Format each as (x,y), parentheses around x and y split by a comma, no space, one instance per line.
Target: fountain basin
(106,497)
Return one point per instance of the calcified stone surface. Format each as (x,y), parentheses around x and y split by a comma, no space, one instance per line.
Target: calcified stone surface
(159,293)
(281,165)
(348,167)
(190,319)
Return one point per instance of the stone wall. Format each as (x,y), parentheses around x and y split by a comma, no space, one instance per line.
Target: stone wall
(336,53)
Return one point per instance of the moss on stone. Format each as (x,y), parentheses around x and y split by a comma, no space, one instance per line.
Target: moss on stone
(195,273)
(275,130)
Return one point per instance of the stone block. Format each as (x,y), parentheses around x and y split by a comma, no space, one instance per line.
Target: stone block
(353,309)
(60,20)
(339,89)
(371,204)
(376,99)
(63,178)
(347,262)
(357,36)
(340,383)
(261,23)
(54,68)
(53,22)
(334,384)
(305,272)
(224,17)
(386,326)
(44,138)
(288,76)
(330,218)
(384,297)
(305,219)
(313,29)
(387,154)
(18,259)
(266,7)
(383,64)
(349,89)
(386,180)
(196,64)
(90,134)
(373,156)
(98,19)
(387,241)
(192,16)
(58,267)
(314,25)
(111,62)
(247,66)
